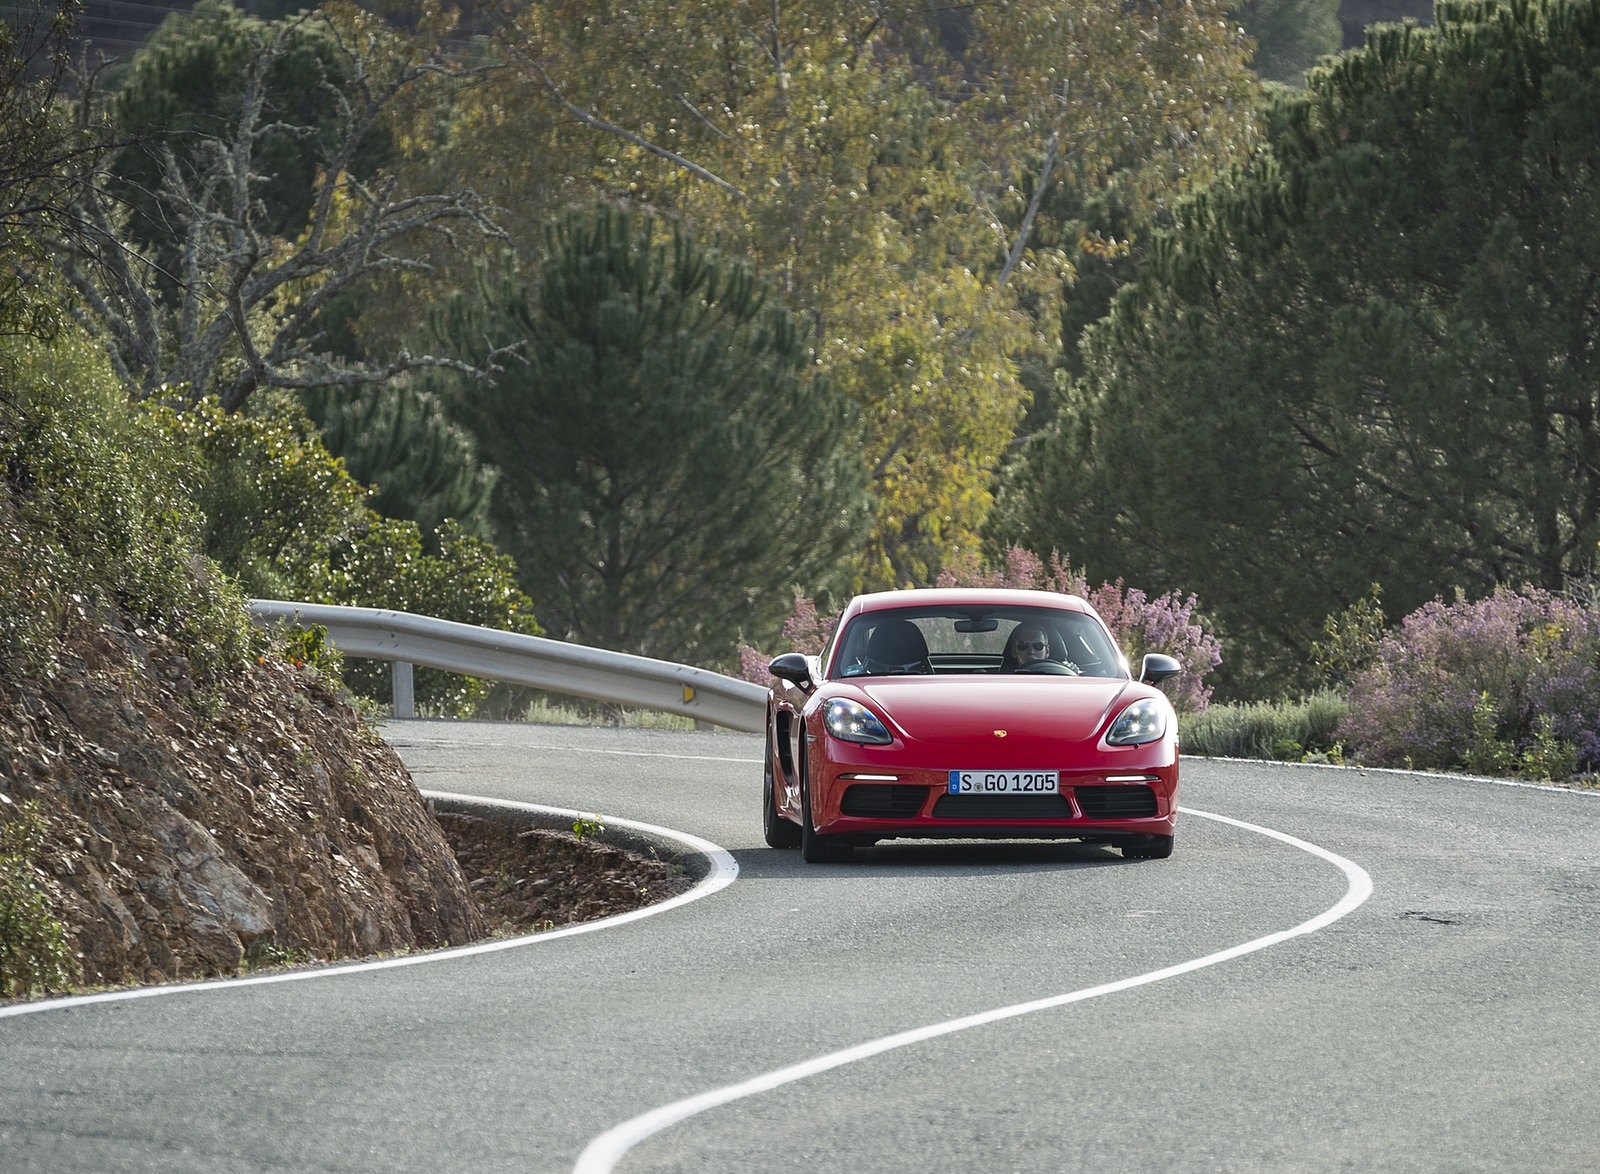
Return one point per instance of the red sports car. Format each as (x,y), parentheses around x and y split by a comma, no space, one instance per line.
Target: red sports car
(969,713)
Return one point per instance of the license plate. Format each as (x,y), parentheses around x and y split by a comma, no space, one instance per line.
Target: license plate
(1004,782)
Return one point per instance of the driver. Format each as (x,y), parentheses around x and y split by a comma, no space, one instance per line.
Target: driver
(1027,646)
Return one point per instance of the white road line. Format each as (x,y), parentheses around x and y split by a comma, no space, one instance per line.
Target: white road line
(723,871)
(593,750)
(601,1155)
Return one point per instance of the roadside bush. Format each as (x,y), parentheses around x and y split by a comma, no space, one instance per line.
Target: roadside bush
(805,630)
(1295,731)
(272,498)
(1506,685)
(384,565)
(283,515)
(34,956)
(1349,641)
(94,512)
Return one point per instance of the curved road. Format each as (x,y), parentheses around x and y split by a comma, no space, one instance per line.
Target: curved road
(1446,1023)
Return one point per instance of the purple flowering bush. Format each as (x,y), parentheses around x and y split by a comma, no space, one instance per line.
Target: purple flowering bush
(1138,623)
(1508,684)
(806,630)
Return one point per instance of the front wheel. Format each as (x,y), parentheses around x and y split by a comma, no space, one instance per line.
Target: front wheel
(1148,848)
(779,832)
(815,848)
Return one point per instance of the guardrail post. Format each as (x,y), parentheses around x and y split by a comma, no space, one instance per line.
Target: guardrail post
(405,698)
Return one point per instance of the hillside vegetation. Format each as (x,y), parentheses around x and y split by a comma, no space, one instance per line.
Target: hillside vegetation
(195,800)
(183,796)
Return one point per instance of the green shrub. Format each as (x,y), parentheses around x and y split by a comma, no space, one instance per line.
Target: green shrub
(1349,641)
(33,943)
(1547,758)
(469,581)
(283,514)
(308,647)
(1304,730)
(94,512)
(273,500)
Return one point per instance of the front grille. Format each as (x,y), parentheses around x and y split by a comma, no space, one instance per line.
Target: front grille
(1002,807)
(883,800)
(1112,802)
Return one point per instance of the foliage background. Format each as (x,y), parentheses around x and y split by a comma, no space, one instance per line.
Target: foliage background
(1368,356)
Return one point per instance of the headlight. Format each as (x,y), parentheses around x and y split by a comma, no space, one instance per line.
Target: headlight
(850,721)
(1143,721)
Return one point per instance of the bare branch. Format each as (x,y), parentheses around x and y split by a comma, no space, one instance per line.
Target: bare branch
(236,289)
(321,373)
(1052,148)
(121,300)
(891,450)
(601,124)
(708,124)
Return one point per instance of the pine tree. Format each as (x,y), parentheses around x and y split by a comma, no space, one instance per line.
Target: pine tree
(420,464)
(1370,357)
(671,468)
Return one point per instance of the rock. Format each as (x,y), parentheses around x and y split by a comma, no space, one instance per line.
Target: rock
(190,829)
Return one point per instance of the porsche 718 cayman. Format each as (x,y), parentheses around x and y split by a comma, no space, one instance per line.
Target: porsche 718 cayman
(957,713)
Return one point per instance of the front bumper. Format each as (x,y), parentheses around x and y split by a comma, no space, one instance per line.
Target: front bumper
(867,802)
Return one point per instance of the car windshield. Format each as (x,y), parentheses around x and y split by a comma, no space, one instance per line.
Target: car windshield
(976,640)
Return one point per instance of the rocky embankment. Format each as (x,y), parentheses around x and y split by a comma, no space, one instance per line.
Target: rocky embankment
(197,832)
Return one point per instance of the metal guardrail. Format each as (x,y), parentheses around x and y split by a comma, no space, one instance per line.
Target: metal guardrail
(407,639)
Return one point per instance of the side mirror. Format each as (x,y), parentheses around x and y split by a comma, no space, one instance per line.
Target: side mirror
(1156,668)
(794,667)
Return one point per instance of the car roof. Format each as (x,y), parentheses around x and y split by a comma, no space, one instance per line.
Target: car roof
(966,597)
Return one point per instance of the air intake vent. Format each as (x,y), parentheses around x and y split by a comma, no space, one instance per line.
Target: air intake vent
(1002,807)
(883,800)
(1113,802)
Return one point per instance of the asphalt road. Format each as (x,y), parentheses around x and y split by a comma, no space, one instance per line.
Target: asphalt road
(1446,1023)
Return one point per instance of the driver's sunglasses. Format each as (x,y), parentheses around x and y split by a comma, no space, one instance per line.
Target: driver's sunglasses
(1034,645)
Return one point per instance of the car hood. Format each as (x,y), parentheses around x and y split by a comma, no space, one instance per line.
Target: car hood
(968,711)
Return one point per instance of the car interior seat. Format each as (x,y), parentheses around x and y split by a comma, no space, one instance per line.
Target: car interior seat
(897,646)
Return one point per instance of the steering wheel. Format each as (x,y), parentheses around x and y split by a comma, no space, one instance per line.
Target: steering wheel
(880,668)
(1049,667)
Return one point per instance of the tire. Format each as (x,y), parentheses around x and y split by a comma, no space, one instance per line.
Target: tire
(1148,848)
(779,832)
(815,848)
